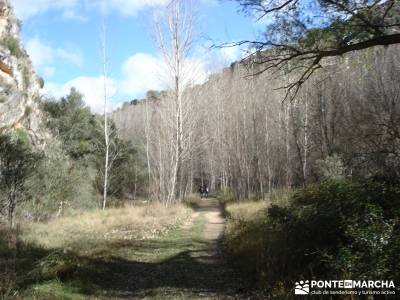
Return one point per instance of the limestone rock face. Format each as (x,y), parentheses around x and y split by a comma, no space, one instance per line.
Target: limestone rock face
(19,84)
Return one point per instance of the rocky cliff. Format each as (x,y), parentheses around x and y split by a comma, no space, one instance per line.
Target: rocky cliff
(19,84)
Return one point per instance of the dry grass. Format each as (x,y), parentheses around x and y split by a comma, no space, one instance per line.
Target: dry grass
(246,210)
(82,230)
(244,234)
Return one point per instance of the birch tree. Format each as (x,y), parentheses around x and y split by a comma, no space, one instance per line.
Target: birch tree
(103,46)
(175,37)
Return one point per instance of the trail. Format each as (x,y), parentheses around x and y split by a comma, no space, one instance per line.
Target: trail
(185,264)
(217,279)
(212,232)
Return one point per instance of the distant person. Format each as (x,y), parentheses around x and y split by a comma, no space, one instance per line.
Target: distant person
(201,191)
(205,191)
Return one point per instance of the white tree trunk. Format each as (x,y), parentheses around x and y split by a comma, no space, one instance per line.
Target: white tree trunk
(106,129)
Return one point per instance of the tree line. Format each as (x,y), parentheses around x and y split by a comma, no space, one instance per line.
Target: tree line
(67,173)
(239,135)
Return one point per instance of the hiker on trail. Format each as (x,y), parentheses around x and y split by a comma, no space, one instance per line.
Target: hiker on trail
(205,189)
(201,191)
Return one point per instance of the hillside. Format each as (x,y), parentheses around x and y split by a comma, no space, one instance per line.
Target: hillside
(19,84)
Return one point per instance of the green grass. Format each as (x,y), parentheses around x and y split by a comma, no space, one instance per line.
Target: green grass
(64,256)
(56,290)
(71,259)
(118,267)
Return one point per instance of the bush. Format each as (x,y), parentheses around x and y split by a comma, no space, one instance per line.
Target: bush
(41,82)
(331,167)
(22,136)
(58,185)
(333,230)
(12,44)
(280,197)
(28,111)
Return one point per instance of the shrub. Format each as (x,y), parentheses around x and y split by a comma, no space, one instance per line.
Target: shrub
(331,167)
(337,229)
(12,44)
(21,135)
(58,185)
(28,111)
(17,163)
(41,82)
(280,196)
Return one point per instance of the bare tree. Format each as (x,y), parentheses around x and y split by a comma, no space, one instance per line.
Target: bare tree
(303,34)
(175,37)
(105,111)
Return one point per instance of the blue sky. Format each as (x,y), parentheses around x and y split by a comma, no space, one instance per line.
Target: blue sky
(63,39)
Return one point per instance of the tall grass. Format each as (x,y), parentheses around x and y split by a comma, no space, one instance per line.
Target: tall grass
(84,228)
(64,246)
(244,234)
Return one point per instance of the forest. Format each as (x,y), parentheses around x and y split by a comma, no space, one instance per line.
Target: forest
(273,174)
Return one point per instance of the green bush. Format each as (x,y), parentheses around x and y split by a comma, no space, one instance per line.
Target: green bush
(280,197)
(17,164)
(28,111)
(333,230)
(12,44)
(21,135)
(331,167)
(58,185)
(41,82)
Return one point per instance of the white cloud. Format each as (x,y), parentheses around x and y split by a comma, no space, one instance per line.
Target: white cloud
(71,56)
(75,9)
(25,9)
(131,7)
(40,53)
(231,54)
(90,87)
(143,72)
(49,71)
(43,55)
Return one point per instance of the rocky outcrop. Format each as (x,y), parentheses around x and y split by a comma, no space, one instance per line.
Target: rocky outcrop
(19,84)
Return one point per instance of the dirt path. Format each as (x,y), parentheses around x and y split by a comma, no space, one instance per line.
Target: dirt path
(212,232)
(186,263)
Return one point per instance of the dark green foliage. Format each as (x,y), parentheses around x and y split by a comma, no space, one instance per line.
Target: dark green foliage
(58,185)
(82,137)
(41,82)
(17,162)
(21,135)
(73,123)
(28,111)
(336,229)
(134,102)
